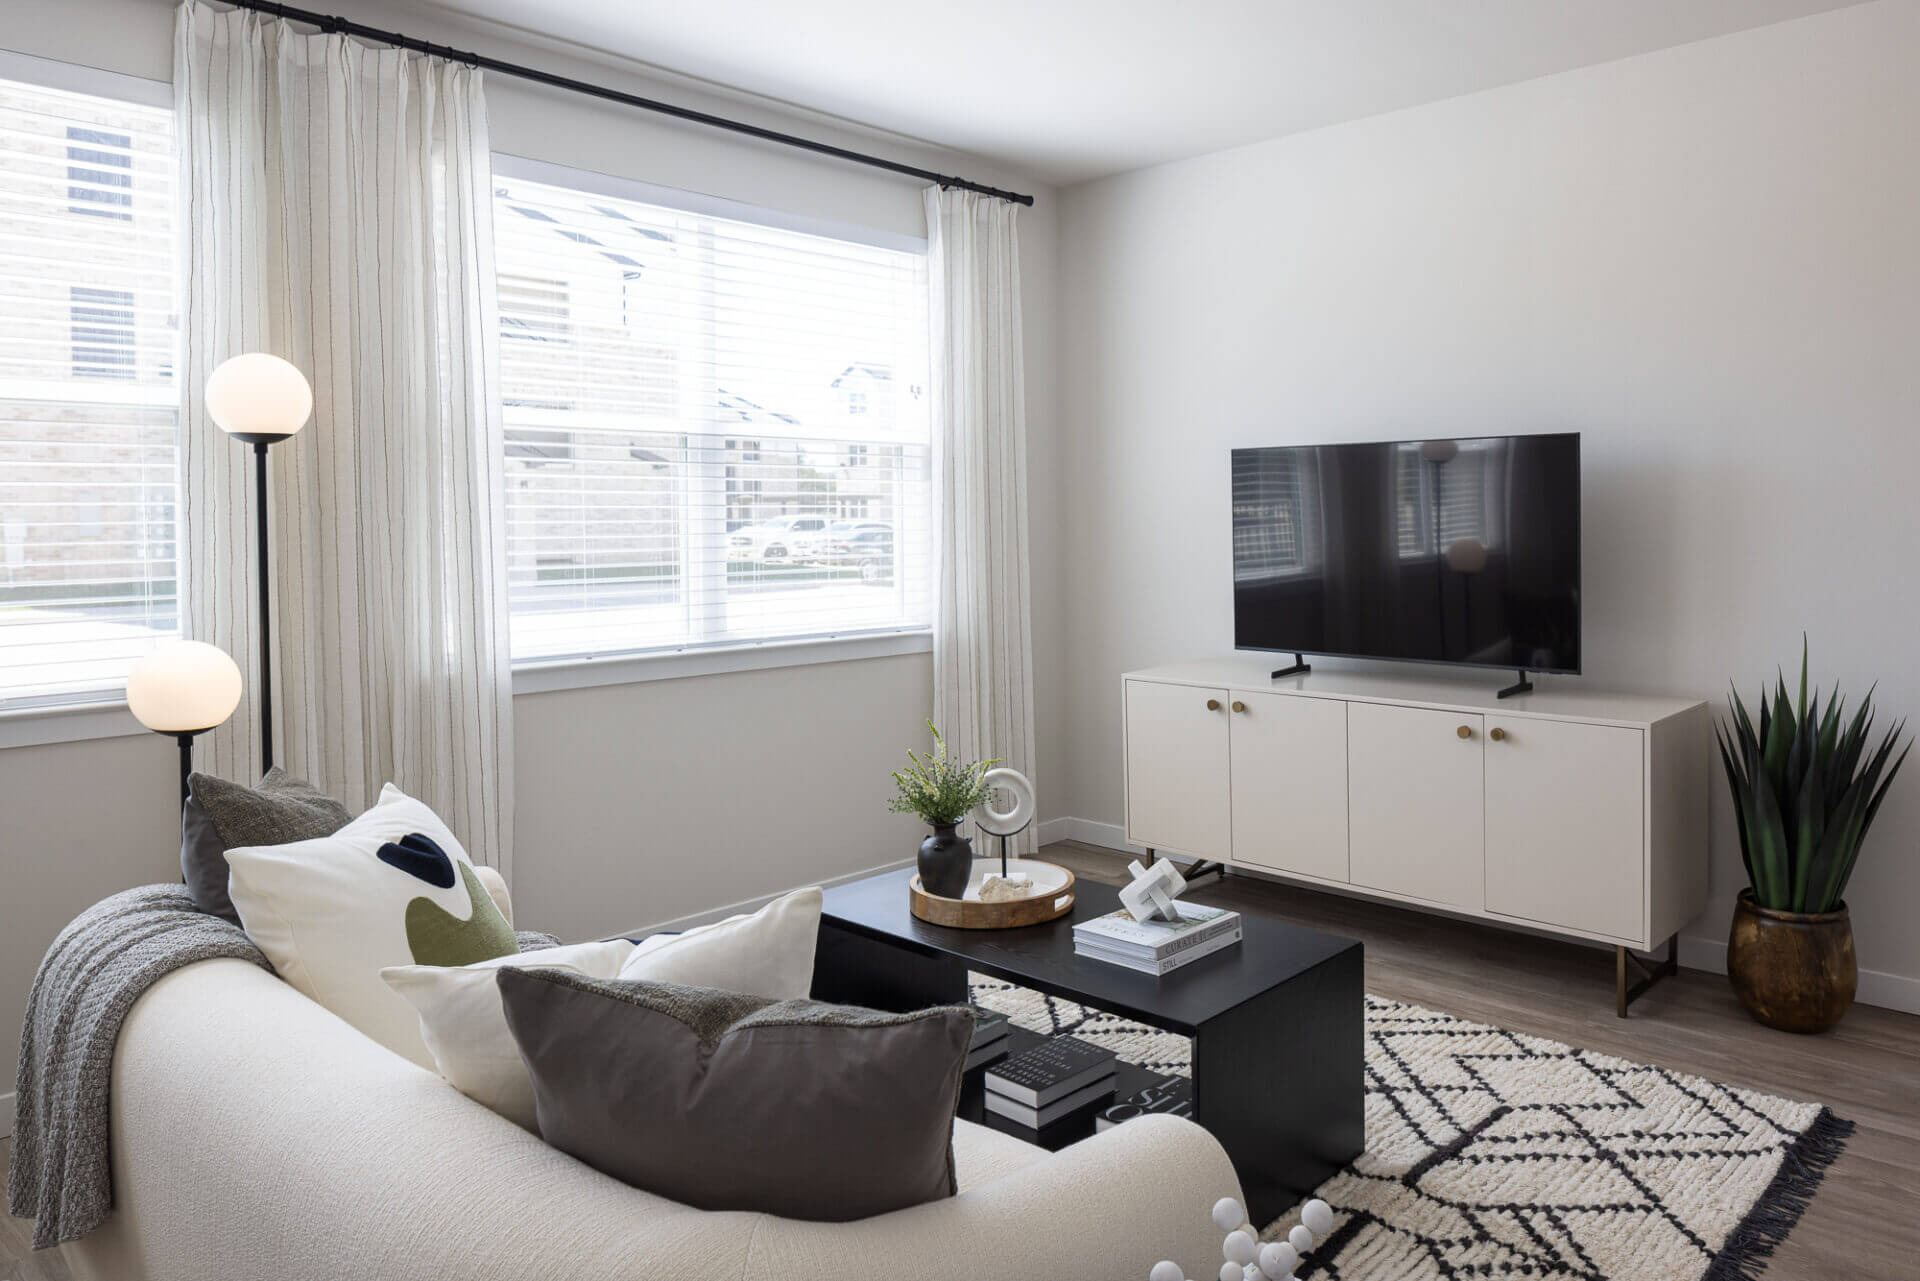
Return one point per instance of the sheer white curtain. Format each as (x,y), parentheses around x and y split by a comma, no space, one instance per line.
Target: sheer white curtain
(338,213)
(982,634)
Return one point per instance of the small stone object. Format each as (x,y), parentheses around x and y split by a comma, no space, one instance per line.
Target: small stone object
(1166,1270)
(1301,1238)
(1227,1214)
(1317,1215)
(1239,1247)
(1149,896)
(995,888)
(1278,1259)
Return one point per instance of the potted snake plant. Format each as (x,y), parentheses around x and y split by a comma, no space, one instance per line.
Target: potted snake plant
(1806,783)
(942,791)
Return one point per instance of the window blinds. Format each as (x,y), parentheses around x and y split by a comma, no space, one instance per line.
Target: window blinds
(88,417)
(716,431)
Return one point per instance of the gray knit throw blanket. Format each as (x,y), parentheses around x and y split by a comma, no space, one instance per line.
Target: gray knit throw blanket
(62,1174)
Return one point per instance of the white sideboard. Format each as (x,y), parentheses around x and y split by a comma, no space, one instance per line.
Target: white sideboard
(1574,811)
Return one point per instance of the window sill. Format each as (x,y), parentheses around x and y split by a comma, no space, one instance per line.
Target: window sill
(82,722)
(631,669)
(72,723)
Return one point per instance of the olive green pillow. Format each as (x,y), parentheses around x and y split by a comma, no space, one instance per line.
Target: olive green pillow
(728,1102)
(221,815)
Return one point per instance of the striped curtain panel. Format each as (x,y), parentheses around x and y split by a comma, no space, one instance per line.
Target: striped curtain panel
(338,206)
(982,633)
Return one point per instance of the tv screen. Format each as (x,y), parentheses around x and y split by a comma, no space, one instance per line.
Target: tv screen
(1439,551)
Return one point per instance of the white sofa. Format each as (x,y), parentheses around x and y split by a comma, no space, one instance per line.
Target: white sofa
(257,1136)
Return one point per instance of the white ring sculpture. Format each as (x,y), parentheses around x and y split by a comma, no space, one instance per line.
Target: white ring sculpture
(1009,822)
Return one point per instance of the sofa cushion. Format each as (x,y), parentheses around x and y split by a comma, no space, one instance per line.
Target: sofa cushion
(730,1102)
(220,814)
(393,887)
(464,1030)
(766,953)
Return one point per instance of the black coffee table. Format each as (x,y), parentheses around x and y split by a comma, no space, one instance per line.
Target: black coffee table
(1277,1021)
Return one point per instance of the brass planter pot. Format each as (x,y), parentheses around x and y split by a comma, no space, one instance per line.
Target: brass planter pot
(1792,970)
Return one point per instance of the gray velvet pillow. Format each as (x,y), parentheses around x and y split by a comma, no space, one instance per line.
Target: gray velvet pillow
(221,815)
(730,1102)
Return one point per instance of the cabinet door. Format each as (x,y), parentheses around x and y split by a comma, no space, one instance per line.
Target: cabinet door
(1177,796)
(1290,783)
(1414,787)
(1565,825)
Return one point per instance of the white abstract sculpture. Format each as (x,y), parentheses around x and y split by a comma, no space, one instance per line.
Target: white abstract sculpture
(1008,822)
(1246,1259)
(1149,895)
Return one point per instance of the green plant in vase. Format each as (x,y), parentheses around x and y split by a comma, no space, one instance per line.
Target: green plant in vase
(1806,782)
(942,791)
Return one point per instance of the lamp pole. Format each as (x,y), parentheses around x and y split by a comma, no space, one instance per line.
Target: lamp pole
(260,399)
(260,440)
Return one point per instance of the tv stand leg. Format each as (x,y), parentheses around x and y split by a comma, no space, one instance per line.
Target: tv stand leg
(1300,667)
(1522,686)
(1628,989)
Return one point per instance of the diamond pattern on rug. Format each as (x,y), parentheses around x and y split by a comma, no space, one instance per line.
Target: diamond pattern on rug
(1494,1154)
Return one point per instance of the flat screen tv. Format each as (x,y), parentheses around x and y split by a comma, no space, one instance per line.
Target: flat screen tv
(1459,551)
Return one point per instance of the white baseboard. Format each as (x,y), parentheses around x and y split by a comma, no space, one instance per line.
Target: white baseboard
(749,905)
(1877,987)
(6,1115)
(1110,836)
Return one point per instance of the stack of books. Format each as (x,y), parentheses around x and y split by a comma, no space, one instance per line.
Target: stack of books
(1171,1095)
(989,1037)
(1050,1081)
(1157,947)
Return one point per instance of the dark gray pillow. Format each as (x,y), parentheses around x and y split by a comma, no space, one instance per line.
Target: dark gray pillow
(221,815)
(730,1102)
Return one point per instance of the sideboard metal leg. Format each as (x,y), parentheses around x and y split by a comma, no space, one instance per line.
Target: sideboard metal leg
(1625,994)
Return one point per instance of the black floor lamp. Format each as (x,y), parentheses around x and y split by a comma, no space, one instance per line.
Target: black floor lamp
(183,689)
(262,400)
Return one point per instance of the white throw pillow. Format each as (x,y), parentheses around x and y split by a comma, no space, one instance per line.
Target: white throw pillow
(393,887)
(464,1029)
(768,953)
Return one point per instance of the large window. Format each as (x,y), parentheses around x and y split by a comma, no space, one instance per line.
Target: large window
(88,410)
(716,429)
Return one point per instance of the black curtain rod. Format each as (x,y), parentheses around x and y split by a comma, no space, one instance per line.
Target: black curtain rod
(398,41)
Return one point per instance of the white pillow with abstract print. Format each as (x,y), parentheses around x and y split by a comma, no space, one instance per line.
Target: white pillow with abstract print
(465,1030)
(393,887)
(766,953)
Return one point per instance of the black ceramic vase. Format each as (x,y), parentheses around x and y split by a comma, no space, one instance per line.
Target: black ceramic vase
(946,862)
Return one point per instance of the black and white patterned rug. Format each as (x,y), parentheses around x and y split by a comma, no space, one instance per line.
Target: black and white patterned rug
(1493,1154)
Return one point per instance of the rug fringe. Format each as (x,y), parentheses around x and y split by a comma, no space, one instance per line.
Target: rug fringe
(1749,1246)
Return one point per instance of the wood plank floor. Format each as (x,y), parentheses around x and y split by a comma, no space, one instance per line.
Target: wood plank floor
(1865,1222)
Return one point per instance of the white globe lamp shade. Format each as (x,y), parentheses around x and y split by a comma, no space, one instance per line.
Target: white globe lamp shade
(257,396)
(183,687)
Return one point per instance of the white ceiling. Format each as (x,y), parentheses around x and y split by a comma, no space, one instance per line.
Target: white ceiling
(1074,89)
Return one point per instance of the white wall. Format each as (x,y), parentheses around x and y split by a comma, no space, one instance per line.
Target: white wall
(635,804)
(1706,259)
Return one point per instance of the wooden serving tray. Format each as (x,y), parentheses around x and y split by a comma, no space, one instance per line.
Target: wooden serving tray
(1052,899)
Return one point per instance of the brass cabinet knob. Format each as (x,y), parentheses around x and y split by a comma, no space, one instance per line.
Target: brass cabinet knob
(1239,706)
(1496,734)
(1213,704)
(1465,731)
